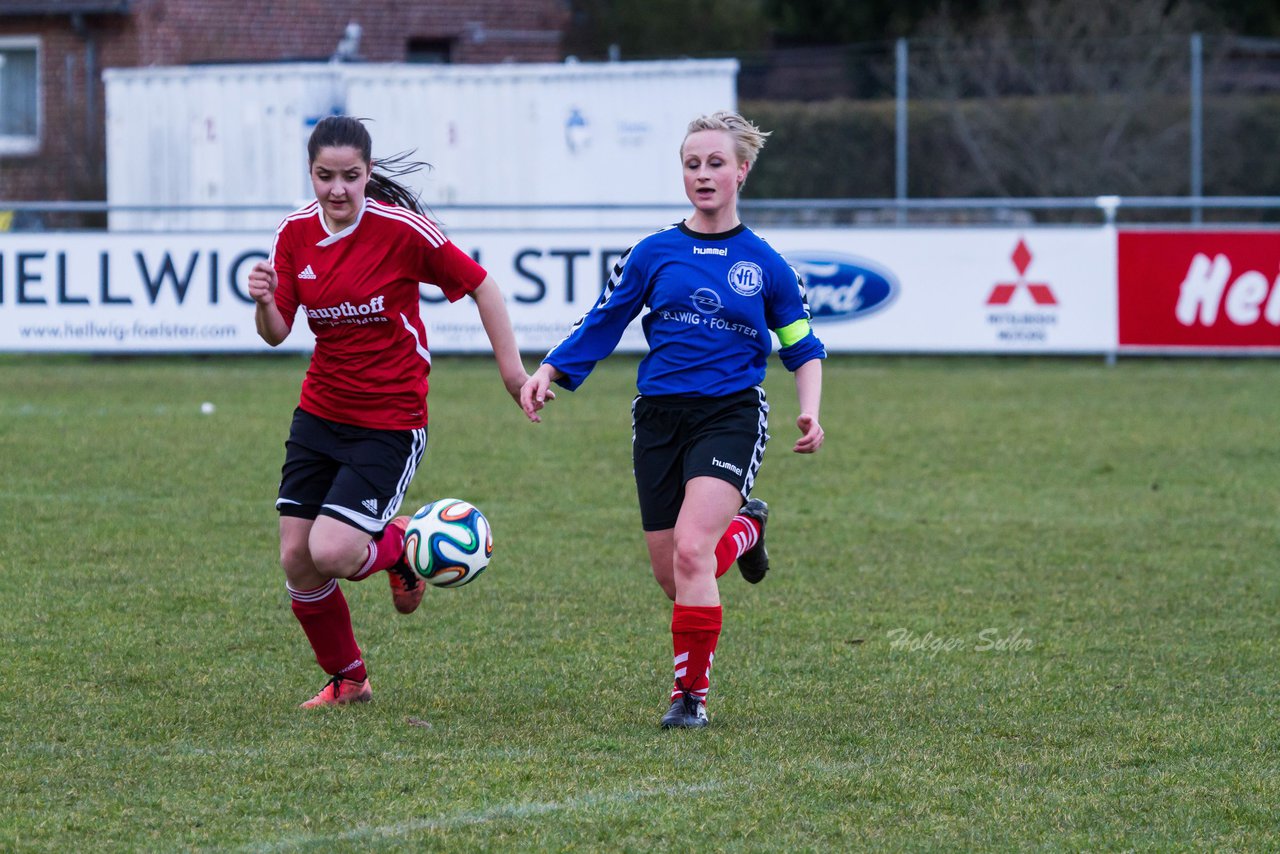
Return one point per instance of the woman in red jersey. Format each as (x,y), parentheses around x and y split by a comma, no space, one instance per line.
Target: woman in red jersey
(352,261)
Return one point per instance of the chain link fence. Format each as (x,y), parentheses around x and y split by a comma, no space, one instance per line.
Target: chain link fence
(1062,118)
(988,128)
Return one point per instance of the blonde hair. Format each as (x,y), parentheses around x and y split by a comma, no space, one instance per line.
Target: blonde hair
(747,138)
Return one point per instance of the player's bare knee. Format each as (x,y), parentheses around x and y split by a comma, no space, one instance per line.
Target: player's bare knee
(335,560)
(692,559)
(295,559)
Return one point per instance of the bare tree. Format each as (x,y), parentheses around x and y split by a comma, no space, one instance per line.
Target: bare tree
(1052,98)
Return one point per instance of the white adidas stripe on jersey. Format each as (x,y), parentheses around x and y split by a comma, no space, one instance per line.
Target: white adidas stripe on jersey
(417,342)
(417,221)
(301,213)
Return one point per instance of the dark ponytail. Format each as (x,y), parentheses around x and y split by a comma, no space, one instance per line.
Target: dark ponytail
(384,188)
(348,132)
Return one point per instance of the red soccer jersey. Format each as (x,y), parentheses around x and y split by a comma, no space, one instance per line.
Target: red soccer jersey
(359,291)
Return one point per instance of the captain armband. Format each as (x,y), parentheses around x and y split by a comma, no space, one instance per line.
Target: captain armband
(792,332)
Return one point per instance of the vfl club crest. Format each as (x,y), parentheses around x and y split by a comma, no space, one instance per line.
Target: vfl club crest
(746,278)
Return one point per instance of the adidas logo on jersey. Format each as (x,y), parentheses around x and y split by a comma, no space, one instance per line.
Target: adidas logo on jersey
(308,273)
(370,504)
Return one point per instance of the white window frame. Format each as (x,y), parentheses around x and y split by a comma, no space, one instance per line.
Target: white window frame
(11,144)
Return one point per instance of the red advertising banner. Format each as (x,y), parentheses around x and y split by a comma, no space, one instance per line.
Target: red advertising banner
(1215,290)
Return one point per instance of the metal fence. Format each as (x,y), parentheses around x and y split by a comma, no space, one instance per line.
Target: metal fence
(1052,115)
(976,212)
(996,129)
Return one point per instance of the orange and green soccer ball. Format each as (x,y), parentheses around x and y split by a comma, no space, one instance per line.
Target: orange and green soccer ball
(448,542)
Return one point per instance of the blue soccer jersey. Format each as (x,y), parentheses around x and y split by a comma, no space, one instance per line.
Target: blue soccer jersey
(712,299)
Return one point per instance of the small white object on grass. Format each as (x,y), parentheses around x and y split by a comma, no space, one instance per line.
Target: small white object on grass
(207,408)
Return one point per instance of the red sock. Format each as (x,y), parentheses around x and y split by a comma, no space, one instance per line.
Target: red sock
(326,620)
(743,533)
(384,550)
(694,632)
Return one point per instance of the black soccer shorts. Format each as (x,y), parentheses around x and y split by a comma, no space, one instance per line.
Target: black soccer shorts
(678,438)
(357,475)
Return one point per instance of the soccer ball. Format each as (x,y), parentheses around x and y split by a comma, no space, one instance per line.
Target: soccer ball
(448,542)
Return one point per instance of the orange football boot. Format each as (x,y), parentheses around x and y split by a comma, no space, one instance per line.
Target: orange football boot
(340,691)
(406,587)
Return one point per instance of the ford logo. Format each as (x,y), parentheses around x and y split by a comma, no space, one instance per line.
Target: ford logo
(842,287)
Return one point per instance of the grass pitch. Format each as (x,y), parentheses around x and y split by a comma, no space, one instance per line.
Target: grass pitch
(1016,604)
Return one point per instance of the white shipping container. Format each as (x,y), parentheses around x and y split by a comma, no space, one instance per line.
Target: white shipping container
(214,135)
(577,134)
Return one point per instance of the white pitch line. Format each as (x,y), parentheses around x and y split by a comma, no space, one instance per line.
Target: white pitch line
(498,813)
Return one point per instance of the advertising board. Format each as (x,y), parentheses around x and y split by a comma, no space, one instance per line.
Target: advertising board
(958,290)
(1191,289)
(876,290)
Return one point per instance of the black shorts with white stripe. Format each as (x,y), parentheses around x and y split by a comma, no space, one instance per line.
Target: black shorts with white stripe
(357,475)
(675,439)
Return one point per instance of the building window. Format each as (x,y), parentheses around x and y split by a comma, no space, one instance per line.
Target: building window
(19,96)
(430,51)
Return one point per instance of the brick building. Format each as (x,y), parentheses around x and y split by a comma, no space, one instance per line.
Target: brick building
(53,52)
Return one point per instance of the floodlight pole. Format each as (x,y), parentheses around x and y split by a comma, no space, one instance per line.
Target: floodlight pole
(900,119)
(1197,125)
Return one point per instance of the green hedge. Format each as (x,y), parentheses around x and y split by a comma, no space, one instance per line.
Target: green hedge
(1065,146)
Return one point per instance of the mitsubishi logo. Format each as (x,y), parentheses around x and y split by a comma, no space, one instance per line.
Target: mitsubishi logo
(1002,293)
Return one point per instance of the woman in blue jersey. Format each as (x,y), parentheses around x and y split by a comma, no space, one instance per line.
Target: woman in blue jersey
(713,290)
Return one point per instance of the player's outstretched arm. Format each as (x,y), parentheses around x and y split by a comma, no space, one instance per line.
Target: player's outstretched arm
(809,395)
(497,325)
